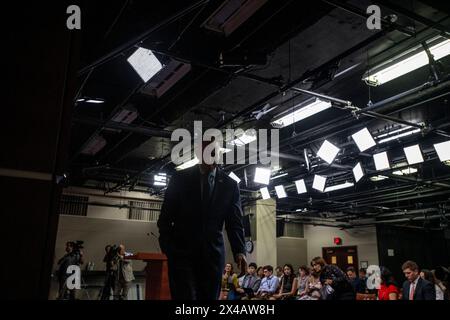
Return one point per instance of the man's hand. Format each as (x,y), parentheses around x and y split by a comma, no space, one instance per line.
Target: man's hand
(241,261)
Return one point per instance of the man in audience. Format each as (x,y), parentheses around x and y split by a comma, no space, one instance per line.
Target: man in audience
(358,285)
(250,283)
(269,284)
(416,288)
(279,273)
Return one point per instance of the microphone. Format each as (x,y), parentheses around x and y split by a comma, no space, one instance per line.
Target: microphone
(157,240)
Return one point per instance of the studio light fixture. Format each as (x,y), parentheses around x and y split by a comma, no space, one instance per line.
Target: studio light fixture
(281,193)
(160,180)
(363,140)
(443,150)
(265,193)
(304,111)
(233,176)
(378,178)
(319,183)
(392,136)
(188,164)
(95,101)
(381,161)
(328,152)
(145,63)
(244,139)
(405,172)
(408,61)
(262,176)
(279,176)
(413,154)
(358,172)
(301,186)
(339,186)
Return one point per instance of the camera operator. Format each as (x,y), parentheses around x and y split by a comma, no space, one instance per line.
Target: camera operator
(110,252)
(73,256)
(123,272)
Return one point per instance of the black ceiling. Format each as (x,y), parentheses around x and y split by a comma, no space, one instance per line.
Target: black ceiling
(323,46)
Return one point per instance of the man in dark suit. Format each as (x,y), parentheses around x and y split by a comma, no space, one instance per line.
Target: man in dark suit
(197,204)
(416,288)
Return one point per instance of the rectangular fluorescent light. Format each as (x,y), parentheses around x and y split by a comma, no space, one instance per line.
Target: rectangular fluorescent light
(393,132)
(234,177)
(407,65)
(94,146)
(381,161)
(328,152)
(319,183)
(188,164)
(400,135)
(302,113)
(126,115)
(243,140)
(301,186)
(279,176)
(443,150)
(81,100)
(358,172)
(378,178)
(145,63)
(339,187)
(413,154)
(95,101)
(363,139)
(231,14)
(405,172)
(265,193)
(281,193)
(160,180)
(262,175)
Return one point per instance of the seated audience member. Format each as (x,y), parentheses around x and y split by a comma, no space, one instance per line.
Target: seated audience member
(229,283)
(416,288)
(358,285)
(279,273)
(429,276)
(335,282)
(388,289)
(260,272)
(301,281)
(442,276)
(314,294)
(250,284)
(287,287)
(269,284)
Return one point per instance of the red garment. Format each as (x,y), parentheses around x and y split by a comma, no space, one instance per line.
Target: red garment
(384,291)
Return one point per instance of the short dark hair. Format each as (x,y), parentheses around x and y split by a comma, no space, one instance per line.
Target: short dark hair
(352,269)
(410,265)
(268,268)
(363,270)
(252,264)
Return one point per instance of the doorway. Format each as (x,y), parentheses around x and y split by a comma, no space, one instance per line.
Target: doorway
(343,257)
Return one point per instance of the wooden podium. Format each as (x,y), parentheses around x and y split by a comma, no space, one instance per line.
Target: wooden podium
(156,275)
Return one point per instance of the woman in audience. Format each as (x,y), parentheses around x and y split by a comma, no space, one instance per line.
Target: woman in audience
(442,276)
(301,281)
(429,276)
(336,283)
(260,272)
(287,288)
(229,282)
(388,289)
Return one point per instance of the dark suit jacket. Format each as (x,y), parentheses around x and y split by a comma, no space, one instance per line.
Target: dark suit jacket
(187,232)
(424,290)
